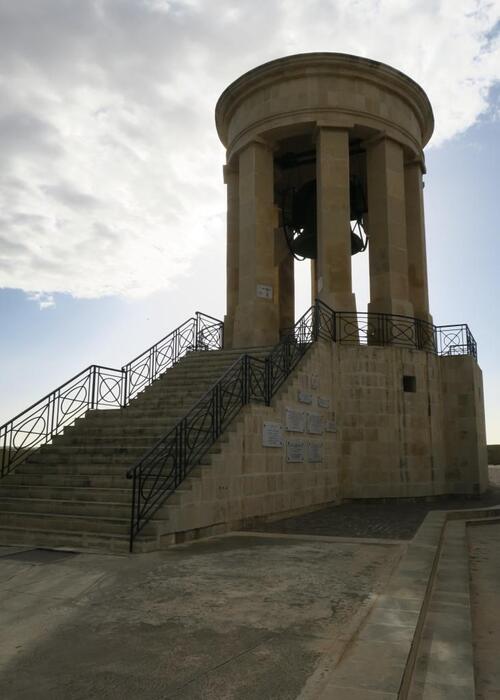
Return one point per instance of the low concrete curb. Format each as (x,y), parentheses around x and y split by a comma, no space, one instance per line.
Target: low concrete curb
(393,656)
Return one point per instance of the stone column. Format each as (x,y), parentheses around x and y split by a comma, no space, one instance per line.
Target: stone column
(284,261)
(415,233)
(389,291)
(256,319)
(314,282)
(231,180)
(333,268)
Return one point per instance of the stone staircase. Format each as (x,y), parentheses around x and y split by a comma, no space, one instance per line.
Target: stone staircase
(74,492)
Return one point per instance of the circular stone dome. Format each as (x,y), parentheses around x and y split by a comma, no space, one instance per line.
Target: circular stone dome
(300,92)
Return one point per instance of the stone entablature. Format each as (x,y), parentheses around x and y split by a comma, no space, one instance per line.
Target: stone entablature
(324,89)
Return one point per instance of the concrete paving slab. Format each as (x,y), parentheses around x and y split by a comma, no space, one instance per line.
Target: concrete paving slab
(484,552)
(235,617)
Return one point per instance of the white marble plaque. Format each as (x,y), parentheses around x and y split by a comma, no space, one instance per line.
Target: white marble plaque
(315,423)
(331,426)
(315,452)
(272,435)
(305,397)
(323,402)
(295,451)
(315,381)
(295,420)
(264,291)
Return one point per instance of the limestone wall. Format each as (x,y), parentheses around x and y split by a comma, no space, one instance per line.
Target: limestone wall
(376,440)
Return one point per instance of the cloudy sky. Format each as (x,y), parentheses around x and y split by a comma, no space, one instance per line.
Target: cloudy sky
(112,202)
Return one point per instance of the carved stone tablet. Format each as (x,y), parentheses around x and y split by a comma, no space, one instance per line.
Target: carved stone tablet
(295,451)
(315,452)
(305,397)
(295,420)
(264,291)
(323,402)
(331,426)
(315,423)
(315,381)
(272,435)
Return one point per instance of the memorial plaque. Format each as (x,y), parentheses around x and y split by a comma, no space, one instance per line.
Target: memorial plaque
(315,423)
(305,397)
(264,291)
(315,452)
(315,381)
(323,402)
(295,451)
(331,426)
(272,435)
(295,420)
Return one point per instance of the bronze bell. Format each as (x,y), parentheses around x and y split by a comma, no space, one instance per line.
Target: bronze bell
(303,224)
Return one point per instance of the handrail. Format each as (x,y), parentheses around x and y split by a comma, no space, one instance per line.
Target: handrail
(249,379)
(101,387)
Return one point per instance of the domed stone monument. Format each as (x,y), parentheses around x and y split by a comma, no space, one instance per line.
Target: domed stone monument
(325,160)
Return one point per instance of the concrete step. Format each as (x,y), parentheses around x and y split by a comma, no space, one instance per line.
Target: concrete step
(72,507)
(122,433)
(104,454)
(105,441)
(128,417)
(93,541)
(76,523)
(126,425)
(70,493)
(63,479)
(70,468)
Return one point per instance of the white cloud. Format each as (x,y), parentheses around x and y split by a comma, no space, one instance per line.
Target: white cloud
(111,176)
(44,301)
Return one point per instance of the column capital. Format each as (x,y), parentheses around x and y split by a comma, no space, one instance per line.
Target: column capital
(258,141)
(418,161)
(228,171)
(322,127)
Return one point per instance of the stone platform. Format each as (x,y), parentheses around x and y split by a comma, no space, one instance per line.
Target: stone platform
(262,615)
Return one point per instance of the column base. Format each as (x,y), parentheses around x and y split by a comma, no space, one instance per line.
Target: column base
(228,331)
(255,325)
(347,322)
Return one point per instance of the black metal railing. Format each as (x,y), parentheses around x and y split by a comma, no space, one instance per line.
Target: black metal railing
(250,379)
(455,340)
(101,387)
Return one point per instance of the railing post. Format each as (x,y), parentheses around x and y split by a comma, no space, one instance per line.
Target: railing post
(197,329)
(286,358)
(93,386)
(418,334)
(125,381)
(268,379)
(4,450)
(315,324)
(244,381)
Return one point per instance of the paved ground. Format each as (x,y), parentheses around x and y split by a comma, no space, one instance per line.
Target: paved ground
(242,616)
(484,548)
(380,519)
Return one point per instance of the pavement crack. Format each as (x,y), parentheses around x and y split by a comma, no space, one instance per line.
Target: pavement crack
(210,670)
